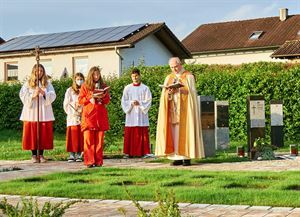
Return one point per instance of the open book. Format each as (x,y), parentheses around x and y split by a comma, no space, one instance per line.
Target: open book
(175,85)
(98,92)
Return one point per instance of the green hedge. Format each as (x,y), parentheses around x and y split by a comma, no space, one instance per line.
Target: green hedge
(278,81)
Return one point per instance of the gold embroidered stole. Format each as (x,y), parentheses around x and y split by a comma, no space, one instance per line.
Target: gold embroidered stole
(177,107)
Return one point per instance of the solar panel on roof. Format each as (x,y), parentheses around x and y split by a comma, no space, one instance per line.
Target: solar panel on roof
(102,35)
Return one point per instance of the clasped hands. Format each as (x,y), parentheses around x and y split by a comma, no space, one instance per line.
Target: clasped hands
(135,103)
(38,91)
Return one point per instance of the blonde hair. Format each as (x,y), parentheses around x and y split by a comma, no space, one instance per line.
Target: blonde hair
(75,87)
(89,82)
(34,78)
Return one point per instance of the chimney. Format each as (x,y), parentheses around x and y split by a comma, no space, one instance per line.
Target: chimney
(283,14)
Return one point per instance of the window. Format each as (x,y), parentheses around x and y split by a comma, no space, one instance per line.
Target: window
(80,64)
(11,71)
(255,35)
(48,66)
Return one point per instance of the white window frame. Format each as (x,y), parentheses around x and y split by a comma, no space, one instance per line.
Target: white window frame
(83,67)
(7,76)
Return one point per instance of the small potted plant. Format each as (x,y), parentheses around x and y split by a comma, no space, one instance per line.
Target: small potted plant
(294,150)
(240,150)
(263,150)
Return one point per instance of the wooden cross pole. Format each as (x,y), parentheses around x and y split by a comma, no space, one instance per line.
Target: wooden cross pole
(37,53)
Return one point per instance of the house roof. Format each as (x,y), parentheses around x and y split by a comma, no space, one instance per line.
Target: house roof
(126,36)
(226,36)
(1,40)
(290,49)
(73,38)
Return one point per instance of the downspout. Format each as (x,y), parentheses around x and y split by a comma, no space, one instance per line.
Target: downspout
(121,58)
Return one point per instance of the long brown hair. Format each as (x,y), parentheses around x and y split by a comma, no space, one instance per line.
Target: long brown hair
(75,87)
(89,82)
(34,74)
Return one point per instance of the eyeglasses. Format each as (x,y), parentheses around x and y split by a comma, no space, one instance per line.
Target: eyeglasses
(173,67)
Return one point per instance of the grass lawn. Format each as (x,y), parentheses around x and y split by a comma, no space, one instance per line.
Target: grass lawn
(253,188)
(11,149)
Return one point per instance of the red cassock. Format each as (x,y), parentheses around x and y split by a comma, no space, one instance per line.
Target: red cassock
(29,141)
(136,141)
(93,124)
(74,139)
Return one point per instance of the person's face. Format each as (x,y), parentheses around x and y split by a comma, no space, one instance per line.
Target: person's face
(79,80)
(40,72)
(96,76)
(136,79)
(175,67)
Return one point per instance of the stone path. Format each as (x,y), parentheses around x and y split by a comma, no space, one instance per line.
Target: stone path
(110,207)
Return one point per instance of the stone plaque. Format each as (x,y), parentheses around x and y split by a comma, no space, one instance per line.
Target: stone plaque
(207,112)
(257,113)
(276,115)
(222,116)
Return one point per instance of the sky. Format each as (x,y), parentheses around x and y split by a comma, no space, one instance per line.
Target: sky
(31,17)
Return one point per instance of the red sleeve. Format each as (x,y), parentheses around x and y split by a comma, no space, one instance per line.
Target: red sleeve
(106,99)
(84,96)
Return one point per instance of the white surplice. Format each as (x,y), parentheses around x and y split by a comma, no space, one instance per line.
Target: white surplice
(136,115)
(73,113)
(29,111)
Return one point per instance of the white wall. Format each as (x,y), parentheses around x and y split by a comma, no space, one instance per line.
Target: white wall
(149,51)
(234,58)
(108,60)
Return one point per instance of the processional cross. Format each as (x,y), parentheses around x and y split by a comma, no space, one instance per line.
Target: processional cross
(37,53)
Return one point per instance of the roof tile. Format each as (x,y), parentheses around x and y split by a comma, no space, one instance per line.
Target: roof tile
(235,34)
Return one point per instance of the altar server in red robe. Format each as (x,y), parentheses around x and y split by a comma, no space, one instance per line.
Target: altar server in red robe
(94,116)
(74,135)
(136,102)
(38,86)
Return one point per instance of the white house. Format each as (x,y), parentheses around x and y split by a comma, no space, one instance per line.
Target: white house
(113,49)
(243,41)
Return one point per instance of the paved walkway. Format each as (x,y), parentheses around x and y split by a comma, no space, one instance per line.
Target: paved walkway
(110,207)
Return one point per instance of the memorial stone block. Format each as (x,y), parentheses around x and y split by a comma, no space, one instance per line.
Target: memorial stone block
(276,110)
(255,121)
(222,125)
(207,113)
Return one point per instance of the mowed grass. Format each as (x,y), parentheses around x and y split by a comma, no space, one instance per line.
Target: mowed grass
(251,188)
(11,147)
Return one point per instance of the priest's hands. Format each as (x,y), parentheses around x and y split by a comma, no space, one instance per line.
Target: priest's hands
(172,90)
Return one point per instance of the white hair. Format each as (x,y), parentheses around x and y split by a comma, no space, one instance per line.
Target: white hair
(176,59)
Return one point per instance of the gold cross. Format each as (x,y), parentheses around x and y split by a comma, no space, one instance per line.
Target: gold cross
(37,53)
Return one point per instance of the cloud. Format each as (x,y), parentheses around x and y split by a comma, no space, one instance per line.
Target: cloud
(251,11)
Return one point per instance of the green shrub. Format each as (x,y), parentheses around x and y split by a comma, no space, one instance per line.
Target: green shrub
(167,206)
(29,207)
(278,81)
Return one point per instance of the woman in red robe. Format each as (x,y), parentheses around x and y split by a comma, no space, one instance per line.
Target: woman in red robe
(94,117)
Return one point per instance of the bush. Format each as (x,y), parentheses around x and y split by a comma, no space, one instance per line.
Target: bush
(167,206)
(278,81)
(29,207)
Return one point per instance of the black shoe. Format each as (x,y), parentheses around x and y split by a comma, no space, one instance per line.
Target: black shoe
(186,163)
(177,162)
